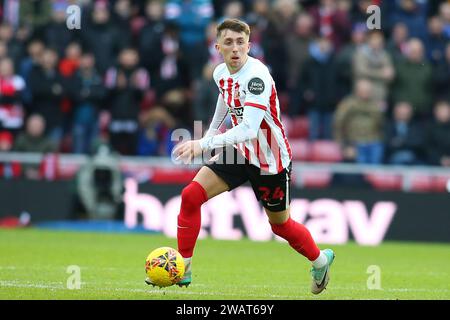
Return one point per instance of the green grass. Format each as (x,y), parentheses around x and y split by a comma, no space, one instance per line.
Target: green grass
(33,265)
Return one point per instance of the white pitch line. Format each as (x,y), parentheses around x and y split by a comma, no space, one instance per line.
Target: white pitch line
(14,284)
(55,286)
(387,289)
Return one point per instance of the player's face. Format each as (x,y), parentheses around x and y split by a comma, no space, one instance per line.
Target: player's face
(234,47)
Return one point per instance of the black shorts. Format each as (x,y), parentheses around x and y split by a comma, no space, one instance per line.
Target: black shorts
(272,190)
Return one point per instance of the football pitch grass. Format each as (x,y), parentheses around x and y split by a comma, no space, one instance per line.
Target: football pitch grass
(34,265)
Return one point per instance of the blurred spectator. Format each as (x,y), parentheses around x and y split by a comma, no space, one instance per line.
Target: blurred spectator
(257,41)
(344,60)
(67,67)
(438,136)
(155,132)
(103,38)
(177,104)
(48,89)
(403,137)
(3,50)
(232,10)
(98,190)
(36,13)
(444,14)
(398,42)
(359,11)
(192,18)
(56,34)
(281,22)
(373,63)
(205,97)
(89,93)
(442,77)
(173,71)
(14,47)
(34,140)
(219,6)
(150,38)
(121,15)
(214,56)
(126,84)
(69,63)
(11,87)
(413,79)
(433,7)
(297,44)
(259,13)
(318,88)
(35,50)
(332,20)
(258,19)
(12,169)
(23,36)
(413,14)
(436,40)
(358,126)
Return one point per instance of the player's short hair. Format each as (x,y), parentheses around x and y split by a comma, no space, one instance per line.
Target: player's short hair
(233,25)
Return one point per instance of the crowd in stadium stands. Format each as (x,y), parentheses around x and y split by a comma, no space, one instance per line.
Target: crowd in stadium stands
(136,70)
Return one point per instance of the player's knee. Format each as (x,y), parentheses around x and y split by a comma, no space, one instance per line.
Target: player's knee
(193,196)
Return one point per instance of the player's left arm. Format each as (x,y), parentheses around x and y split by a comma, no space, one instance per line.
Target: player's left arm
(244,131)
(255,106)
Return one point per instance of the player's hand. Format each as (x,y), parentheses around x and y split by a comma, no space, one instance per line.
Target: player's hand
(186,151)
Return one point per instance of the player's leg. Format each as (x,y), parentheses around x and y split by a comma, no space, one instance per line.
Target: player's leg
(274,193)
(300,239)
(210,181)
(296,234)
(206,185)
(273,190)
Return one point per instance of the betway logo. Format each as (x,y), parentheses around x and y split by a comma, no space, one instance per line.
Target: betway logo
(328,220)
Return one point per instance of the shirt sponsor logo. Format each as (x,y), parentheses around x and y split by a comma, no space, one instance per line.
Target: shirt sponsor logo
(256,86)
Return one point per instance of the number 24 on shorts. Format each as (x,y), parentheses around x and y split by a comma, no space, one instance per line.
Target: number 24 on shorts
(267,194)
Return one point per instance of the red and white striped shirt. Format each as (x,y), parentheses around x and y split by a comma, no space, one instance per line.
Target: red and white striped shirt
(265,146)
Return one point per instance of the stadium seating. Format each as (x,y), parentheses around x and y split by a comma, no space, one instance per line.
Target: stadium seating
(440,183)
(287,123)
(384,181)
(299,128)
(325,151)
(301,149)
(316,179)
(421,183)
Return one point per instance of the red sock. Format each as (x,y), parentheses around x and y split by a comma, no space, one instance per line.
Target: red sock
(298,237)
(189,219)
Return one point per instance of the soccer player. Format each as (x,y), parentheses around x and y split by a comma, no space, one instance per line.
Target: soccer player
(255,150)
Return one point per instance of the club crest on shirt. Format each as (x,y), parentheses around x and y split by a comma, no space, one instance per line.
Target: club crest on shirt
(239,112)
(255,86)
